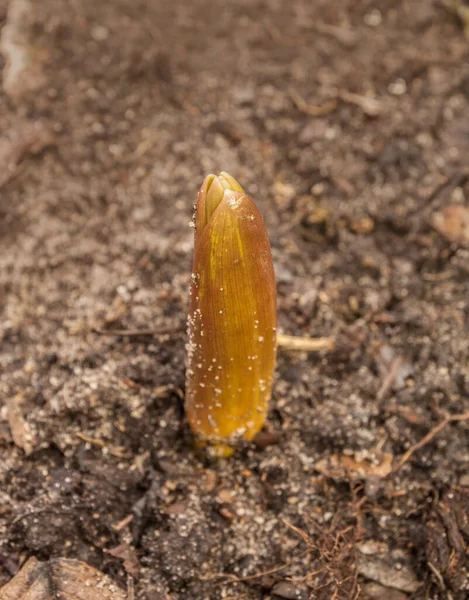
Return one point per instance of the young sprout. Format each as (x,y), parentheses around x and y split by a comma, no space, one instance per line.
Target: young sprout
(232,318)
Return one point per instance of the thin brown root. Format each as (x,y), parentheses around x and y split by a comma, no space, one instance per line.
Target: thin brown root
(428,438)
(230,577)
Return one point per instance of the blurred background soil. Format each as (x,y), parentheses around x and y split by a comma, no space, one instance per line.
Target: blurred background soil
(348,122)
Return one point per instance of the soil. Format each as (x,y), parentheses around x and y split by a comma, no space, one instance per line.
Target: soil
(348,123)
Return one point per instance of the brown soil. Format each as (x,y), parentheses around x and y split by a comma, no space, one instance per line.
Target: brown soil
(118,111)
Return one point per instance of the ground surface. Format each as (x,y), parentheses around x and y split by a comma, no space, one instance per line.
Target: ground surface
(111,114)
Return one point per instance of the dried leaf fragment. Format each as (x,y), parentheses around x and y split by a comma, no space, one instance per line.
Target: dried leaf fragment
(390,568)
(129,557)
(60,578)
(453,223)
(24,72)
(19,427)
(340,466)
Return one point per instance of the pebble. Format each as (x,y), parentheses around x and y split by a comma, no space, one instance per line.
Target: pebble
(285,589)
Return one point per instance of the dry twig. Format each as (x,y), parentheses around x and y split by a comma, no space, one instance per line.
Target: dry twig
(117,451)
(287,342)
(310,109)
(293,342)
(130,588)
(428,438)
(389,378)
(122,524)
(134,332)
(370,106)
(346,37)
(282,39)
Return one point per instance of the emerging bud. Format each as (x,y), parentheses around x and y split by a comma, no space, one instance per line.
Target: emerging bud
(232,318)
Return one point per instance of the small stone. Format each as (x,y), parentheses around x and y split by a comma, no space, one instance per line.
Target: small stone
(99,33)
(397,87)
(363,225)
(243,96)
(373,18)
(209,480)
(314,130)
(225,496)
(375,591)
(286,589)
